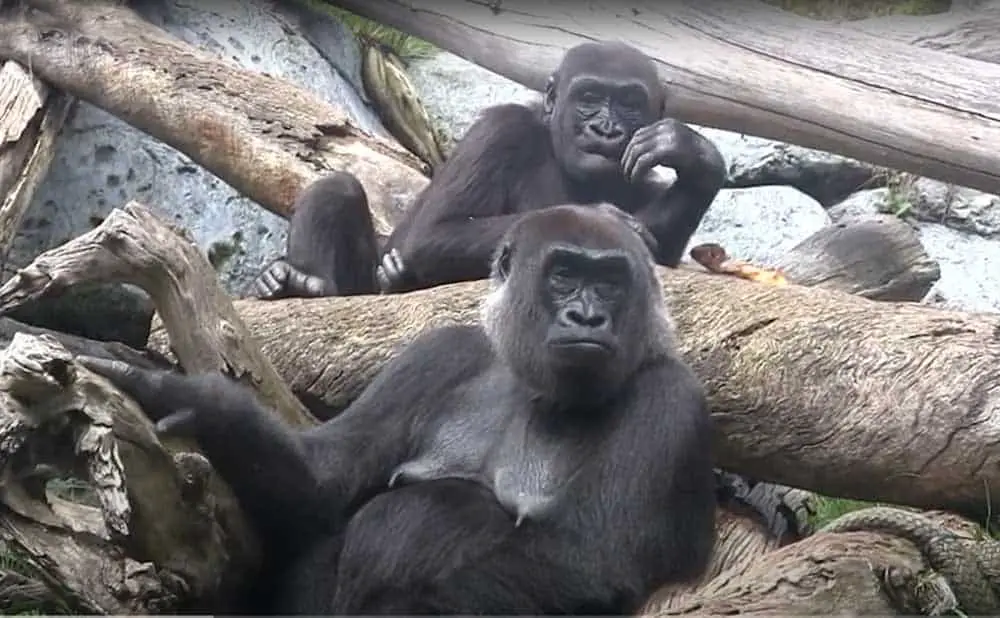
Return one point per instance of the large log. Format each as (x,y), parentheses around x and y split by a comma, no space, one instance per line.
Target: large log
(810,388)
(262,135)
(752,68)
(134,241)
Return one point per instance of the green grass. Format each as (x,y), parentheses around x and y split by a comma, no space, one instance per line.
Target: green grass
(829,509)
(860,9)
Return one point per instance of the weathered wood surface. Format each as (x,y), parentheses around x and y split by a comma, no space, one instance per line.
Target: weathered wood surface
(878,257)
(134,241)
(184,533)
(749,67)
(810,388)
(31,115)
(262,135)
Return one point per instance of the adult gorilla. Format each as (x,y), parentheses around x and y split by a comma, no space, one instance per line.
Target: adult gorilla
(555,459)
(595,137)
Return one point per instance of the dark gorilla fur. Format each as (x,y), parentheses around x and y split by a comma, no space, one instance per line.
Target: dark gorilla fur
(595,136)
(555,459)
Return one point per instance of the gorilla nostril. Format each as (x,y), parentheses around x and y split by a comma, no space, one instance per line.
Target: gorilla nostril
(592,320)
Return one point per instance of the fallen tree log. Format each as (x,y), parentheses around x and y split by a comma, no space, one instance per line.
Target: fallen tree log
(917,110)
(968,31)
(263,135)
(810,388)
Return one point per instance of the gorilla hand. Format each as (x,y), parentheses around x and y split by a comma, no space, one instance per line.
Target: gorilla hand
(637,226)
(281,279)
(391,273)
(666,142)
(175,402)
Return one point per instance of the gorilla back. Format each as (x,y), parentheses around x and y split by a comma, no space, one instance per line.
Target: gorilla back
(555,459)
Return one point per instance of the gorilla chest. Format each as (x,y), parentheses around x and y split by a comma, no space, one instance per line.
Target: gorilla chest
(528,469)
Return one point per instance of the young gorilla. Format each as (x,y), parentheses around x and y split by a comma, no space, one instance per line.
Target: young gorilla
(595,137)
(555,459)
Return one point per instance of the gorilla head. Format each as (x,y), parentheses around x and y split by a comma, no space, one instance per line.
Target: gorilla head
(575,307)
(600,95)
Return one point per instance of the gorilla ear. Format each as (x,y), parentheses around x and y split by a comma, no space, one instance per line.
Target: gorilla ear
(503,262)
(549,100)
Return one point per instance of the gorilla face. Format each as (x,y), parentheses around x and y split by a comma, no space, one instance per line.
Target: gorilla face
(597,99)
(574,307)
(583,291)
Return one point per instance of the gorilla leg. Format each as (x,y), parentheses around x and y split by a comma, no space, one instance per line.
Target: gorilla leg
(332,250)
(400,544)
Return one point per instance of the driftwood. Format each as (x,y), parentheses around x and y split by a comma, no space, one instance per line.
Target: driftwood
(800,81)
(184,532)
(113,249)
(31,115)
(878,257)
(263,135)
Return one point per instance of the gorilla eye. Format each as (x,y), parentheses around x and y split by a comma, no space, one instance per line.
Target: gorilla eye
(561,281)
(609,290)
(590,98)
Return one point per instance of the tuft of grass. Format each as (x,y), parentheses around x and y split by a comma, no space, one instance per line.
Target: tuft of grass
(405,46)
(829,509)
(849,10)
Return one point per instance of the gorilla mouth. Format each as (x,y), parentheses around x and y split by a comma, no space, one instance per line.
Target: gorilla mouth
(581,349)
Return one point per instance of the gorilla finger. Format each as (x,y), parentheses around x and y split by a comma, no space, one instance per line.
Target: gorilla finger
(268,286)
(179,423)
(636,149)
(382,278)
(313,285)
(643,165)
(143,386)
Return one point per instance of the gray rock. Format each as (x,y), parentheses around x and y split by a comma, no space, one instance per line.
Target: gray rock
(967,259)
(756,161)
(455,91)
(101,162)
(861,204)
(959,208)
(760,224)
(969,266)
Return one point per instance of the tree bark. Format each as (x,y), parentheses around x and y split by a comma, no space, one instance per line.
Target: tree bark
(968,31)
(878,257)
(32,116)
(262,135)
(814,84)
(162,531)
(809,387)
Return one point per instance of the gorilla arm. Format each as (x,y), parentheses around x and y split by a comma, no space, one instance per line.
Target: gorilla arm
(293,483)
(450,235)
(641,514)
(673,214)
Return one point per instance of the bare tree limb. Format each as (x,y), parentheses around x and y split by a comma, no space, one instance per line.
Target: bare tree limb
(264,136)
(748,67)
(134,246)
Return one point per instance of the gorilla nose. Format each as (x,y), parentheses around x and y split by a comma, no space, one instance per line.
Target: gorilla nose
(576,316)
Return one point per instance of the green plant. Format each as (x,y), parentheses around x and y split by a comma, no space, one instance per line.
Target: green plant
(403,45)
